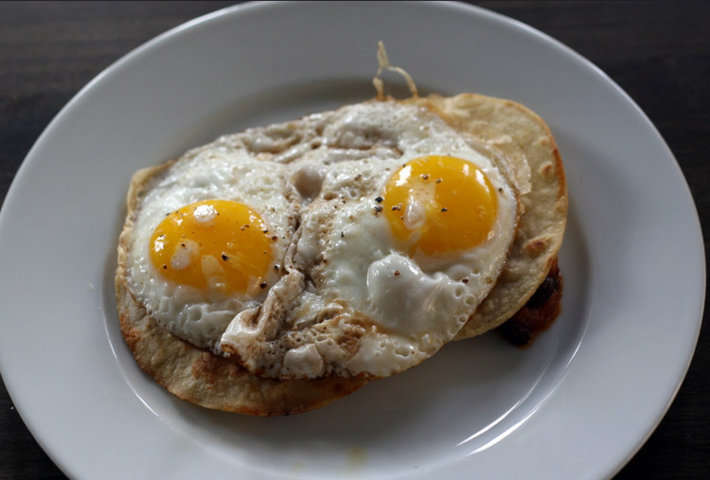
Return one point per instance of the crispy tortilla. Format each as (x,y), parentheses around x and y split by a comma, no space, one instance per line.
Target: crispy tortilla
(526,143)
(503,127)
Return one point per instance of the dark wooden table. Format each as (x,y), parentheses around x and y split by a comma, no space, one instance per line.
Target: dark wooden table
(658,52)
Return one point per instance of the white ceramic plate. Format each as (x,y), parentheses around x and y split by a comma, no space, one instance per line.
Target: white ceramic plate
(577,404)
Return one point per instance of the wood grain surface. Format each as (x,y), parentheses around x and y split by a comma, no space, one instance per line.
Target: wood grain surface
(659,52)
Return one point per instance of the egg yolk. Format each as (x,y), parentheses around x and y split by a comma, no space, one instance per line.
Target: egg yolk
(440,204)
(213,245)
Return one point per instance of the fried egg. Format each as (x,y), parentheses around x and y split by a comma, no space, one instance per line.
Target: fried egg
(207,240)
(353,242)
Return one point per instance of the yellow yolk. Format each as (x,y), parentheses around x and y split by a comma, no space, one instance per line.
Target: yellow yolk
(440,204)
(214,244)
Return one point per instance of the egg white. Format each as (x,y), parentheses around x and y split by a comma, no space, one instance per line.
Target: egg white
(349,254)
(349,302)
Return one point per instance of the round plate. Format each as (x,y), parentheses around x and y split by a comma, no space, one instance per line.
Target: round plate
(579,402)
